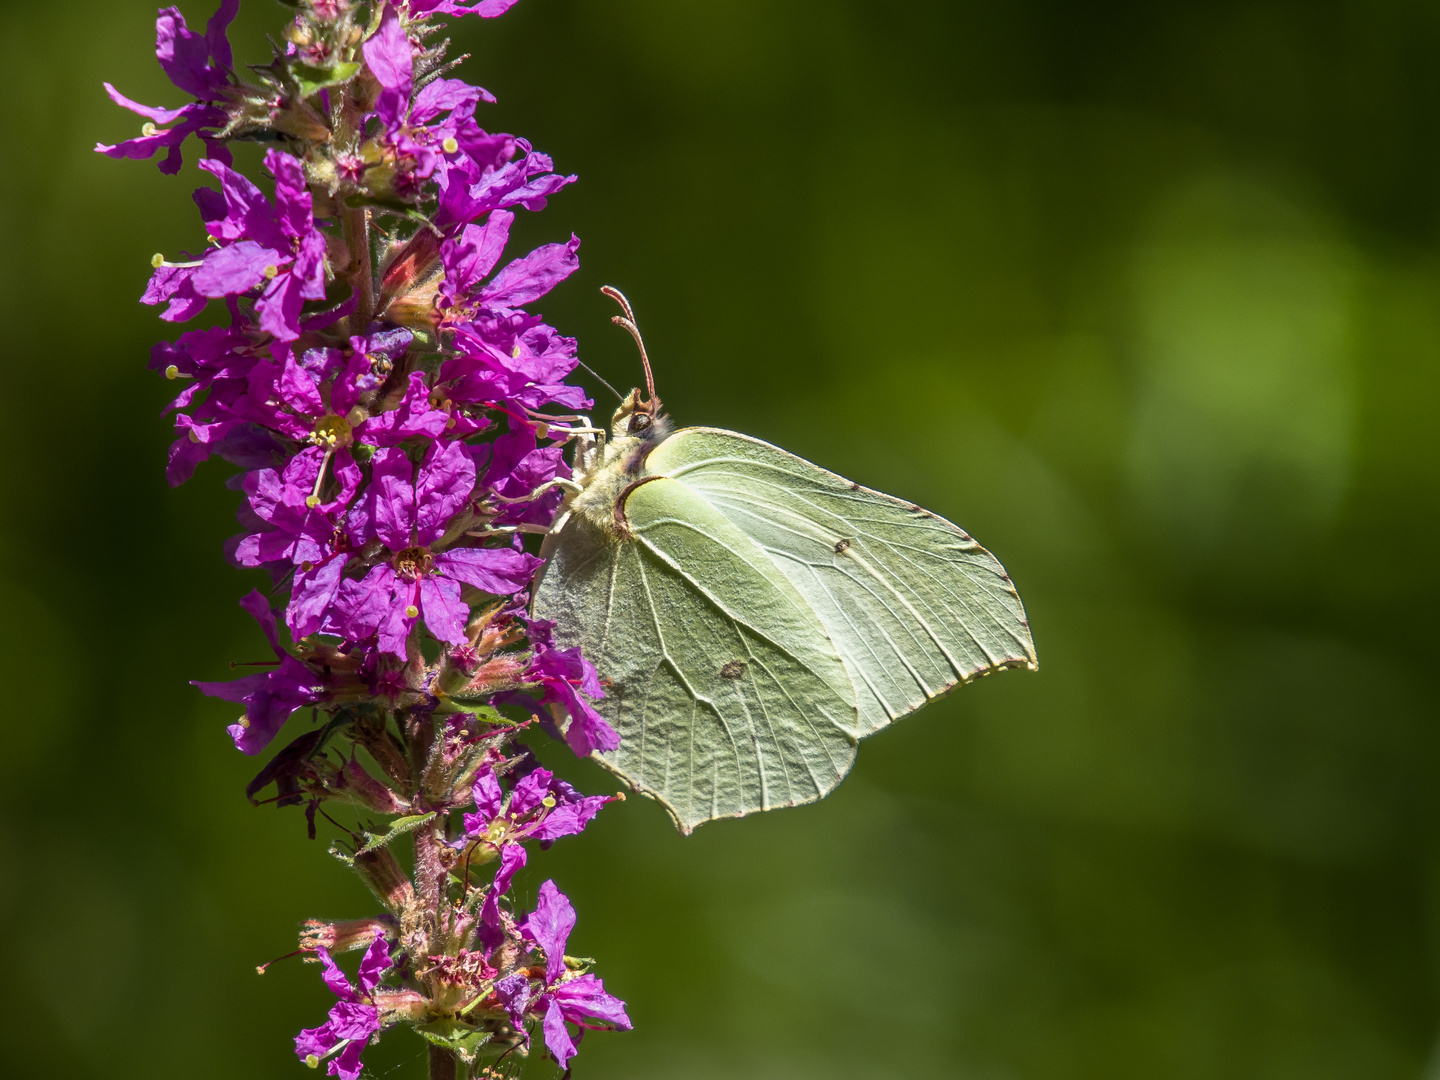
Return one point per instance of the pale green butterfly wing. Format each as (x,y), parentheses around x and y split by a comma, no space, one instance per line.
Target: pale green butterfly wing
(728,696)
(912,603)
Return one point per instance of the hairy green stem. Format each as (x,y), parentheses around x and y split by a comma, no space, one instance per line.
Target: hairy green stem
(356,223)
(443,1065)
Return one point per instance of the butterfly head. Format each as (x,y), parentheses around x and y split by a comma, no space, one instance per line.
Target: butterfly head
(637,420)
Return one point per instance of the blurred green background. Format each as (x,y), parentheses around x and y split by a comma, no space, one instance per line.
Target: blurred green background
(1146,296)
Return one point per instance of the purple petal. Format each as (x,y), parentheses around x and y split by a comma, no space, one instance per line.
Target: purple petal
(156,113)
(512,861)
(259,609)
(334,978)
(557,1035)
(570,819)
(298,390)
(532,276)
(292,196)
(474,253)
(236,269)
(447,477)
(354,1020)
(374,964)
(549,926)
(445,613)
(501,571)
(487,795)
(312,596)
(347,1064)
(530,792)
(393,498)
(514,994)
(390,59)
(215,32)
(586,996)
(318,1041)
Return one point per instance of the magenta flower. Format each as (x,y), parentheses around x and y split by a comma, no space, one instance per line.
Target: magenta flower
(271,697)
(574,999)
(299,527)
(199,65)
(540,808)
(414,582)
(564,675)
(276,249)
(354,1020)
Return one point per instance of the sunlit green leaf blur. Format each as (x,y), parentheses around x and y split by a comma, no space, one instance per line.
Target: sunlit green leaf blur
(1145,296)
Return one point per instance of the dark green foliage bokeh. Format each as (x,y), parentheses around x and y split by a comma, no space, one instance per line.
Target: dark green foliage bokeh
(1146,296)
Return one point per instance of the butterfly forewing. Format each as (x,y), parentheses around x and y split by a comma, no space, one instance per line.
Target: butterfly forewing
(727,693)
(911,602)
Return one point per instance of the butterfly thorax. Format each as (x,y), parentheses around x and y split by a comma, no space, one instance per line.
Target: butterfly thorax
(636,428)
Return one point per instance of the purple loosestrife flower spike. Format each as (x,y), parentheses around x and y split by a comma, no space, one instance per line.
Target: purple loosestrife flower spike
(397,415)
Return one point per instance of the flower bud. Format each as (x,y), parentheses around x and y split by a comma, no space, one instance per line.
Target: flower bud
(346,935)
(379,870)
(353,780)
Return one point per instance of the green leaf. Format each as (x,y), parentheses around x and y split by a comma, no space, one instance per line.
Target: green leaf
(458,1037)
(398,828)
(313,79)
(477,706)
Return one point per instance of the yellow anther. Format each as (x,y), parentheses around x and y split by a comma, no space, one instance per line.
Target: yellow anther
(194,437)
(515,353)
(157,260)
(548,802)
(357,416)
(312,1061)
(307,566)
(542,431)
(149,130)
(271,271)
(172,372)
(244,723)
(450,145)
(312,501)
(411,611)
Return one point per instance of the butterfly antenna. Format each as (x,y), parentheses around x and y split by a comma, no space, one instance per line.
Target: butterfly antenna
(602,382)
(628,322)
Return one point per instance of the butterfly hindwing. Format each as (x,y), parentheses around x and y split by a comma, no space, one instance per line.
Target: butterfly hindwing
(912,603)
(726,691)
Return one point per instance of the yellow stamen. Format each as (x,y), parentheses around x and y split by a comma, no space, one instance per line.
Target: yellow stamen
(271,271)
(411,611)
(172,372)
(148,129)
(194,437)
(312,501)
(450,145)
(157,260)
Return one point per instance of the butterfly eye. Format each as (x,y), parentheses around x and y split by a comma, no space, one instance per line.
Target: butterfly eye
(640,422)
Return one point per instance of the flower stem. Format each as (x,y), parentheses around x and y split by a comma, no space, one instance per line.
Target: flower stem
(443,1065)
(356,222)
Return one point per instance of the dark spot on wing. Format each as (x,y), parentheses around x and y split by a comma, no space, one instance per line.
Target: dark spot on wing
(842,546)
(735,669)
(854,487)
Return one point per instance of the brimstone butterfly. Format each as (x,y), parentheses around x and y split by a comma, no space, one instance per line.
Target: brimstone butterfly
(752,616)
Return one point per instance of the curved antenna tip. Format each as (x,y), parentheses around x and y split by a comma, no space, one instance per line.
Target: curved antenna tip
(627,322)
